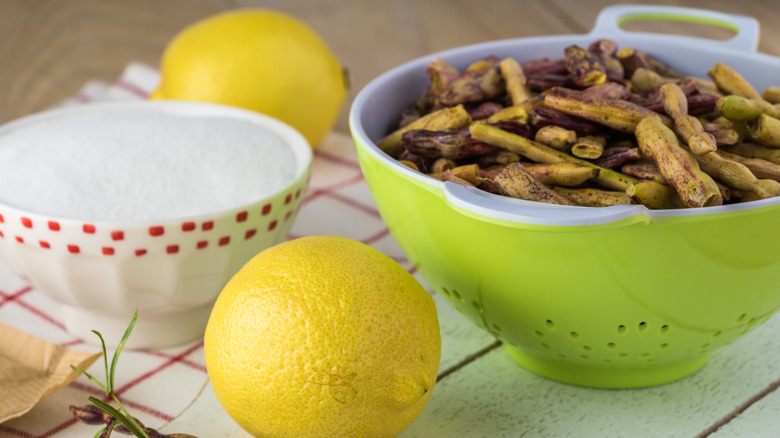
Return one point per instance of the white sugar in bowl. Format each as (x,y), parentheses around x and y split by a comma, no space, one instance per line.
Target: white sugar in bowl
(153,206)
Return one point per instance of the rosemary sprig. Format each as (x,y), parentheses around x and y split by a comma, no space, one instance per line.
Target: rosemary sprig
(121,415)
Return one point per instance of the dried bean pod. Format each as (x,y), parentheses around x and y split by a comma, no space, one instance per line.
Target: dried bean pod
(762,169)
(585,67)
(549,117)
(439,165)
(766,131)
(655,195)
(441,120)
(740,109)
(604,47)
(659,143)
(453,144)
(631,60)
(589,147)
(689,128)
(771,94)
(617,114)
(545,65)
(516,182)
(608,90)
(472,86)
(555,137)
(447,175)
(561,174)
(589,197)
(544,154)
(737,176)
(606,50)
(484,110)
(484,64)
(697,104)
(730,81)
(644,170)
(410,164)
(644,80)
(755,151)
(513,75)
(723,136)
(498,157)
(618,158)
(543,81)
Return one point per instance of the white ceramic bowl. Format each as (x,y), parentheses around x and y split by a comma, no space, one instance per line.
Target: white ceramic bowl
(170,270)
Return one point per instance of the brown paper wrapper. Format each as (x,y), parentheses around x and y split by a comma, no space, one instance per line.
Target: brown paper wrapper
(32,369)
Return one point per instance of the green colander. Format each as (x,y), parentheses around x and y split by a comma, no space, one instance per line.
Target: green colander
(606,297)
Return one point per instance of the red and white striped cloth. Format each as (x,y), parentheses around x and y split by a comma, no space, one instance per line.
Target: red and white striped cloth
(157,385)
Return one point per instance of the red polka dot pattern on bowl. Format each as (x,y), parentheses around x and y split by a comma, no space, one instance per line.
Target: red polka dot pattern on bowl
(106,239)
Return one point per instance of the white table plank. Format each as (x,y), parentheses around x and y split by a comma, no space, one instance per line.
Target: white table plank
(755,421)
(495,397)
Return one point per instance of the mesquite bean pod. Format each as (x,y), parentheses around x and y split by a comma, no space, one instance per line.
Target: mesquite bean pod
(766,130)
(730,81)
(740,109)
(585,67)
(659,143)
(618,114)
(688,127)
(444,119)
(655,195)
(516,182)
(589,197)
(545,154)
(737,175)
(515,81)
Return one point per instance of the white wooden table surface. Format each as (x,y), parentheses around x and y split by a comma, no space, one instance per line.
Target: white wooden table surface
(481,392)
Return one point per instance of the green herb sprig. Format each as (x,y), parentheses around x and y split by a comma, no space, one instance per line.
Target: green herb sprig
(121,415)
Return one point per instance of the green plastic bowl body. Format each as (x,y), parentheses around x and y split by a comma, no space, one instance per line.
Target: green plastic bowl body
(610,297)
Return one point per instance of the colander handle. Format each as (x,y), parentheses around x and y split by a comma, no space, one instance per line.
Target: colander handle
(487,207)
(747,28)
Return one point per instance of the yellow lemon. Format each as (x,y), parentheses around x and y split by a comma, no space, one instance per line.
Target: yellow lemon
(261,60)
(323,337)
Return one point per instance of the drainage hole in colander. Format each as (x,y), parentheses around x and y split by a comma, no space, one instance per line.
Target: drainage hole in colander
(644,355)
(477,307)
(538,334)
(562,356)
(445,291)
(741,318)
(664,329)
(751,321)
(549,324)
(586,348)
(611,345)
(621,329)
(705,346)
(545,346)
(584,356)
(574,335)
(717,334)
(663,346)
(456,294)
(642,326)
